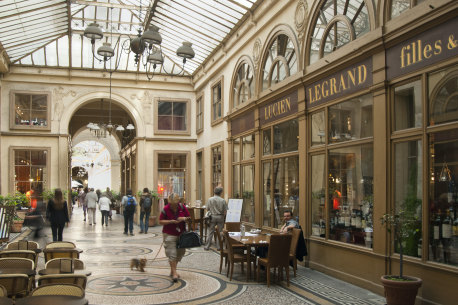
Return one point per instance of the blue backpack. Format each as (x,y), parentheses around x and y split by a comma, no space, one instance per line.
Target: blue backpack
(130,207)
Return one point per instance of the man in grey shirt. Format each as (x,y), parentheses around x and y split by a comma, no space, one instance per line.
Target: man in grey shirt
(217,207)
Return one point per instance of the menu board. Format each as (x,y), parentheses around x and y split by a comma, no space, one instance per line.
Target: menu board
(234,210)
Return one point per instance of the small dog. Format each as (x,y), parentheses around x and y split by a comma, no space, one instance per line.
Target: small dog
(138,263)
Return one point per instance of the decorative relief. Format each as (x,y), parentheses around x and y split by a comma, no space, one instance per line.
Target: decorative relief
(146,102)
(257,51)
(58,95)
(300,17)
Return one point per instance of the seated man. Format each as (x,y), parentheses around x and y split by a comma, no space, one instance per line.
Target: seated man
(290,222)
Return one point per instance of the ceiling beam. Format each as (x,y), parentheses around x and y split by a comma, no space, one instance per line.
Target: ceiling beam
(109,5)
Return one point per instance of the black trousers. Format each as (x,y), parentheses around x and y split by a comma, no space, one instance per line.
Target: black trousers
(57,231)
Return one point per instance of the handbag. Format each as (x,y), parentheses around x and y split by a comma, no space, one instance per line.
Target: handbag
(188,240)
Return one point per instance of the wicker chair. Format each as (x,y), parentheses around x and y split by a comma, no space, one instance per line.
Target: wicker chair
(21,254)
(60,244)
(76,279)
(3,292)
(295,233)
(59,289)
(235,257)
(22,245)
(16,285)
(233,226)
(56,262)
(277,257)
(16,263)
(222,251)
(51,253)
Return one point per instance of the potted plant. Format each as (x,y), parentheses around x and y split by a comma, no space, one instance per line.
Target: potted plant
(117,199)
(400,289)
(17,200)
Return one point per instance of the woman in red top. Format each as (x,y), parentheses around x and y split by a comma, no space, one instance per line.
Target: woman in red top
(173,218)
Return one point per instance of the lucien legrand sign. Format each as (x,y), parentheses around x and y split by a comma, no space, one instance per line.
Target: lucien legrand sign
(279,108)
(425,49)
(344,82)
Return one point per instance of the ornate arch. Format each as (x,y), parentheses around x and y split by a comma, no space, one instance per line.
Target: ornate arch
(283,36)
(242,82)
(335,23)
(443,102)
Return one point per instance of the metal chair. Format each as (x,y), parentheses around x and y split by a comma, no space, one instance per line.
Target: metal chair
(60,244)
(56,263)
(277,257)
(50,253)
(15,284)
(76,279)
(295,233)
(21,254)
(59,289)
(22,245)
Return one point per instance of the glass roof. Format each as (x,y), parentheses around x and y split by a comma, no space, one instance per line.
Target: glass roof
(50,32)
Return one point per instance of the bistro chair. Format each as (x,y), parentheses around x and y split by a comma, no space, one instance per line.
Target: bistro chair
(233,226)
(59,289)
(295,233)
(76,279)
(21,254)
(223,253)
(56,263)
(60,244)
(3,292)
(50,253)
(15,263)
(234,256)
(22,245)
(16,285)
(277,257)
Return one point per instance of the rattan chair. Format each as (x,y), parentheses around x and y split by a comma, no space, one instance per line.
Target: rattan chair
(234,256)
(16,263)
(56,263)
(21,254)
(16,285)
(233,226)
(295,233)
(277,257)
(51,253)
(59,289)
(60,244)
(3,292)
(22,245)
(76,279)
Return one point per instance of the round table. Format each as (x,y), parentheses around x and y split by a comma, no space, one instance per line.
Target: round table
(51,299)
(6,301)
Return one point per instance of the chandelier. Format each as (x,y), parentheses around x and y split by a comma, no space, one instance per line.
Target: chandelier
(146,47)
(102,130)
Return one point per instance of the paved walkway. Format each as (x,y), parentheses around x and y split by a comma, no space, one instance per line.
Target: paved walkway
(107,253)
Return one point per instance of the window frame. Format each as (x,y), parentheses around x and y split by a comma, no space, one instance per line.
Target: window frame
(187,117)
(220,82)
(202,176)
(187,177)
(245,82)
(200,113)
(14,126)
(212,165)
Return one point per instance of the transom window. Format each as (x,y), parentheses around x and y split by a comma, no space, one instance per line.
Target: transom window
(281,61)
(30,172)
(337,23)
(244,85)
(30,110)
(400,6)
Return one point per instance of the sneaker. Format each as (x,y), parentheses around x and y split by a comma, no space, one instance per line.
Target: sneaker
(141,231)
(125,233)
(84,219)
(146,232)
(132,234)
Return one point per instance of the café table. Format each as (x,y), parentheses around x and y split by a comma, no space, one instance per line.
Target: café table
(250,240)
(52,299)
(6,301)
(49,271)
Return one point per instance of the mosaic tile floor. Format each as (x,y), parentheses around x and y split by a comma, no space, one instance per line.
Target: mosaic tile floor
(107,254)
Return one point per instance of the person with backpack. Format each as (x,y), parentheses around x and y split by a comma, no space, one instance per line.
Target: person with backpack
(130,205)
(146,201)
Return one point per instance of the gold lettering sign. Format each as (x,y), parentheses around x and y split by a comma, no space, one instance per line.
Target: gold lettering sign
(285,106)
(344,82)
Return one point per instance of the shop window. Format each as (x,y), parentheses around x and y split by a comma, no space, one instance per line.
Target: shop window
(286,137)
(408,106)
(400,6)
(172,174)
(199,178)
(200,114)
(172,116)
(30,110)
(443,87)
(243,85)
(408,192)
(217,163)
(318,128)
(337,22)
(351,120)
(443,197)
(248,147)
(351,194)
(266,142)
(217,102)
(30,173)
(267,193)
(318,181)
(247,186)
(280,62)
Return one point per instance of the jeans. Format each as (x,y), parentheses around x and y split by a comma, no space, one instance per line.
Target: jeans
(57,231)
(144,225)
(105,217)
(128,222)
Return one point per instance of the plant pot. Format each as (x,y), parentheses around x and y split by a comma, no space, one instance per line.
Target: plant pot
(16,226)
(401,292)
(152,221)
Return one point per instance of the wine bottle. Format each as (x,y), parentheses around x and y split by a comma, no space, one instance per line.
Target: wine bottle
(447,227)
(436,226)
